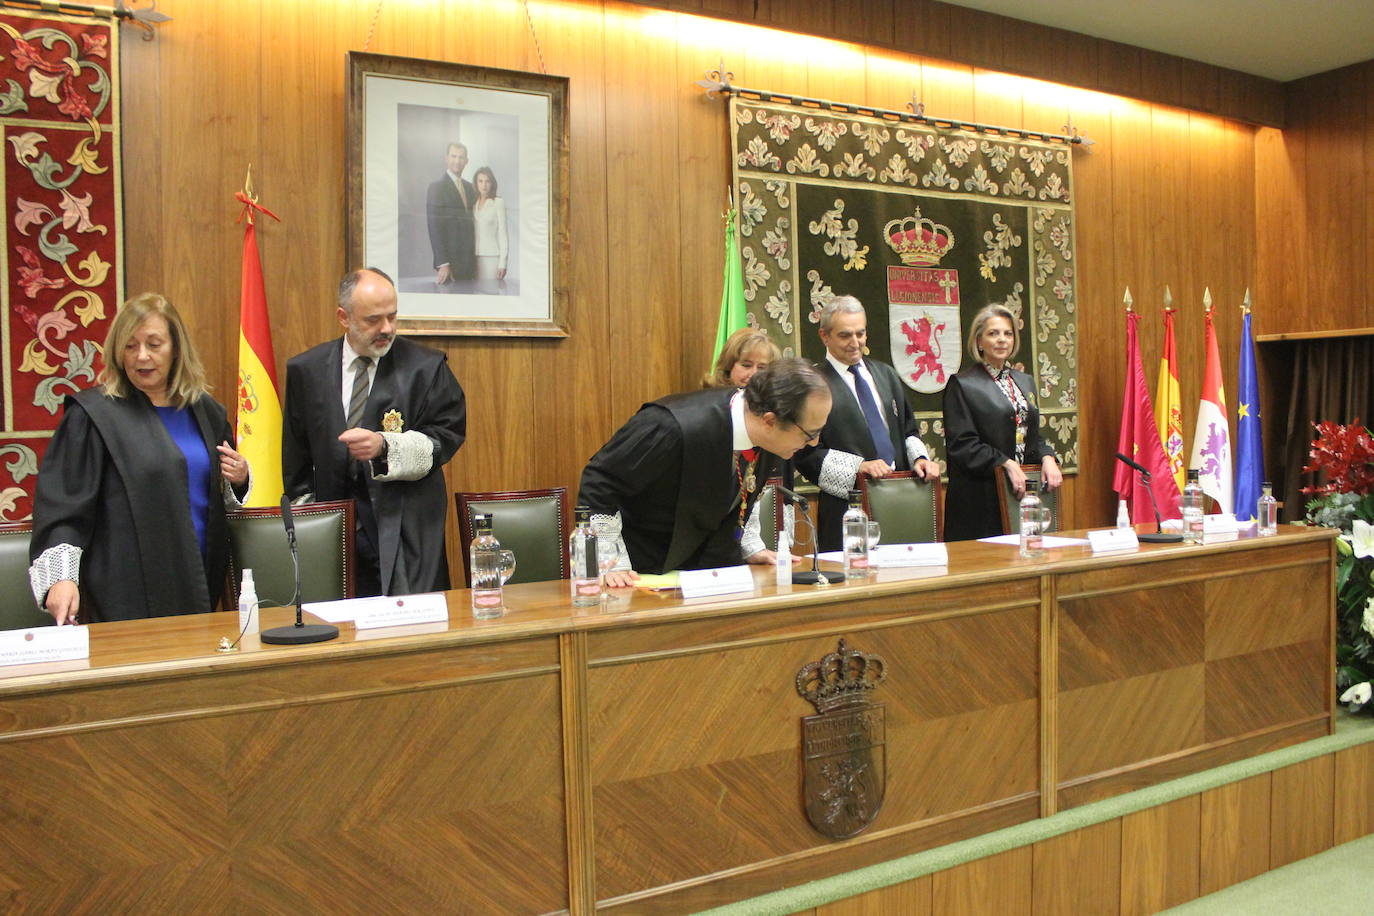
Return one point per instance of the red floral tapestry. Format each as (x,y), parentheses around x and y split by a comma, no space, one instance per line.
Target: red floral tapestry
(63,251)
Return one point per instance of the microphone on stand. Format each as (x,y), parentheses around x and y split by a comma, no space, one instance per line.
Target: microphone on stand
(1158,536)
(299,633)
(814,576)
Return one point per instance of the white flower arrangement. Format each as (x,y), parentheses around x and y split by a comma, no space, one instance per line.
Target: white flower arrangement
(1357,695)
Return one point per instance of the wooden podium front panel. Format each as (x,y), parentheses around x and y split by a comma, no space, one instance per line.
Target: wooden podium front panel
(426,781)
(696,761)
(1181,664)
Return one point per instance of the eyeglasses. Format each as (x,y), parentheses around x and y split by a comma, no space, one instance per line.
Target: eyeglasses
(811,435)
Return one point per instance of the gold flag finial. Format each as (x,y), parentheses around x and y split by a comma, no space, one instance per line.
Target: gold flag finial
(1245,303)
(1168,298)
(1127,299)
(1207,298)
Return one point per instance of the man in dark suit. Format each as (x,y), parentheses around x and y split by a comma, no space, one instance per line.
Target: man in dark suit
(677,481)
(373,417)
(871,430)
(448,209)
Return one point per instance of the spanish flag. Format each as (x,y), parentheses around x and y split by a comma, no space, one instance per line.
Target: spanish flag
(1168,404)
(259,406)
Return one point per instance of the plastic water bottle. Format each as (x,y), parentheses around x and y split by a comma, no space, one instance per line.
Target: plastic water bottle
(782,566)
(1267,510)
(582,552)
(1032,524)
(855,527)
(248,604)
(1123,515)
(1192,509)
(485,556)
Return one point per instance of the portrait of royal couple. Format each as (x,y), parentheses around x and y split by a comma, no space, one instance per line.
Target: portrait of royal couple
(467,228)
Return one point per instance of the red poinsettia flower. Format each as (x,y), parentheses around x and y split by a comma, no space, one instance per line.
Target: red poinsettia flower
(1345,455)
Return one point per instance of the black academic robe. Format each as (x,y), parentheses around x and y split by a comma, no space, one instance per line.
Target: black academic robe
(670,472)
(115,484)
(452,232)
(846,430)
(980,434)
(409,515)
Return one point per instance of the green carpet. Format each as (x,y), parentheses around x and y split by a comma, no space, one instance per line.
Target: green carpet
(1350,731)
(1331,883)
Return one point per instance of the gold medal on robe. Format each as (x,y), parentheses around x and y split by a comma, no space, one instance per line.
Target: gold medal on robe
(750,481)
(1020,436)
(393,422)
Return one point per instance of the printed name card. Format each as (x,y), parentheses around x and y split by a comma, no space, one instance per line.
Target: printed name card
(396,612)
(727,580)
(892,556)
(44,644)
(1219,528)
(1109,540)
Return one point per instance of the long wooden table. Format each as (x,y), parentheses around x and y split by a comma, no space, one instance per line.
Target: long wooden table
(646,755)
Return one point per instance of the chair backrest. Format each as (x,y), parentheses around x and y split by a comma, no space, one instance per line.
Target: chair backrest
(1010,506)
(910,510)
(324,540)
(535,524)
(770,513)
(17,608)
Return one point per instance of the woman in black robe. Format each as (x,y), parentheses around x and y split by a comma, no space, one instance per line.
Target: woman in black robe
(990,420)
(129,515)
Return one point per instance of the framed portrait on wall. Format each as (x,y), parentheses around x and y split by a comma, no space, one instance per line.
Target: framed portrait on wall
(456,185)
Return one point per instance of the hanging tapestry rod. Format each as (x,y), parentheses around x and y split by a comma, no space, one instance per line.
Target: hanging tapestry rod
(718,83)
(143,18)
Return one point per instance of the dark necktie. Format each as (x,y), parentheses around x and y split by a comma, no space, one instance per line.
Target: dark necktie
(881,441)
(358,401)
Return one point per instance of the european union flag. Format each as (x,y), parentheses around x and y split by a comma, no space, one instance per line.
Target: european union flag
(1249,448)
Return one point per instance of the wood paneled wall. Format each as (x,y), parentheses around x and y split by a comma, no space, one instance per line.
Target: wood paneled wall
(1315,198)
(1166,196)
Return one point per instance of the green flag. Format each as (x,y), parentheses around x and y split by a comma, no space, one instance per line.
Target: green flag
(732,314)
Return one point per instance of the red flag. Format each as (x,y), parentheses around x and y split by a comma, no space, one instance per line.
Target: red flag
(1139,441)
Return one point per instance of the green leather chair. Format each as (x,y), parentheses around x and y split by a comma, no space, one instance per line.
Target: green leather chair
(324,540)
(908,509)
(1011,506)
(17,608)
(535,524)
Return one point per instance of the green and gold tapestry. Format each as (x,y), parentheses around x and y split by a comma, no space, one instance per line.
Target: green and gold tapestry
(925,226)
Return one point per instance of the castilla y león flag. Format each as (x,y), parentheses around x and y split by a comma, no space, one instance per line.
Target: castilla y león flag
(1139,441)
(1212,437)
(259,406)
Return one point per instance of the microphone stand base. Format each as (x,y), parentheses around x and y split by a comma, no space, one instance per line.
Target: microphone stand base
(1160,537)
(813,577)
(299,634)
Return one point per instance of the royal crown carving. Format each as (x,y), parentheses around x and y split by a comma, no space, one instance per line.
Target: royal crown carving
(918,241)
(843,678)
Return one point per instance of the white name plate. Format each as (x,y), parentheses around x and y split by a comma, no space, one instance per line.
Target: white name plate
(892,556)
(44,644)
(1110,540)
(727,580)
(401,611)
(1219,528)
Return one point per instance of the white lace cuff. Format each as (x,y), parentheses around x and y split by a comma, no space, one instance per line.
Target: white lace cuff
(608,526)
(232,502)
(409,456)
(839,473)
(58,562)
(751,538)
(915,449)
